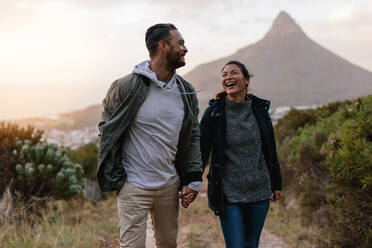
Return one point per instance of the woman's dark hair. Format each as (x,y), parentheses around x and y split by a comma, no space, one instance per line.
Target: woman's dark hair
(156,33)
(244,70)
(242,67)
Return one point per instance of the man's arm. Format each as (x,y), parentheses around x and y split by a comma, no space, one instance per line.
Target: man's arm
(195,167)
(109,104)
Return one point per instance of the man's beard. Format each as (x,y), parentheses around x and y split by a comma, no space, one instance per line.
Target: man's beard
(174,60)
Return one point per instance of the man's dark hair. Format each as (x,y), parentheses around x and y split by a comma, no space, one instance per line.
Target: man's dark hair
(156,33)
(242,67)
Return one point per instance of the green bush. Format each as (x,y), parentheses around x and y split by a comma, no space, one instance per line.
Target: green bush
(44,170)
(87,156)
(350,165)
(350,157)
(295,119)
(38,169)
(328,152)
(9,134)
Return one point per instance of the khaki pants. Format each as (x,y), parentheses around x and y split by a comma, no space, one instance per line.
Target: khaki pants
(133,207)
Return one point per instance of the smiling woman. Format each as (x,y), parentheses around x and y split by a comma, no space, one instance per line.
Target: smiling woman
(235,80)
(244,172)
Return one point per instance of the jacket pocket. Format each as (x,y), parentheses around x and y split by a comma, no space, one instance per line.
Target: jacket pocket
(214,194)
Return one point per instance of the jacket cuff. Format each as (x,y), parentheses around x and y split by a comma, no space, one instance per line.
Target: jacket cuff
(197,186)
(277,187)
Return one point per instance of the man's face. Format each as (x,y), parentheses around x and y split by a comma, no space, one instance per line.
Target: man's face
(177,51)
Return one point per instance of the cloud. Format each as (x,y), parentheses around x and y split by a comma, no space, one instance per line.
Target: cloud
(90,43)
(348,32)
(97,4)
(352,15)
(14,14)
(352,21)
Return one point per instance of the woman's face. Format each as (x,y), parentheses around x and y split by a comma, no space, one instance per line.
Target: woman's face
(233,80)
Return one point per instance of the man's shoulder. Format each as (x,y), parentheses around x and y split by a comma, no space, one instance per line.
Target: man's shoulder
(129,78)
(130,81)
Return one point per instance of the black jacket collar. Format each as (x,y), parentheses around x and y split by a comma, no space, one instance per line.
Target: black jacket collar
(220,101)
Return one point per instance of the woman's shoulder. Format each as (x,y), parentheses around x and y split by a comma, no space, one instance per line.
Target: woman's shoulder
(212,105)
(214,108)
(259,101)
(216,101)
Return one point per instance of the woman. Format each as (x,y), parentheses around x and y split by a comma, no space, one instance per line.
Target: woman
(244,172)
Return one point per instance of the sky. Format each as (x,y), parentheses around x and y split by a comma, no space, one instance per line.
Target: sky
(62,55)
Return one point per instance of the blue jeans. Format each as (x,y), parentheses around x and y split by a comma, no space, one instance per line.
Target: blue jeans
(242,223)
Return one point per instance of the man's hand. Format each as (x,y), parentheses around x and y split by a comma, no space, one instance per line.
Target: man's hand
(187,196)
(277,195)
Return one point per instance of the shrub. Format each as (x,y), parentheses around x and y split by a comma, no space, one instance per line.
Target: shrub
(9,134)
(328,152)
(350,165)
(295,119)
(44,170)
(35,168)
(87,156)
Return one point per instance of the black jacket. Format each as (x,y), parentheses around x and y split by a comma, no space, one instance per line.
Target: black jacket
(213,139)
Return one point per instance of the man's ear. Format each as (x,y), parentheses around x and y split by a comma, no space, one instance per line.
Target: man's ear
(163,46)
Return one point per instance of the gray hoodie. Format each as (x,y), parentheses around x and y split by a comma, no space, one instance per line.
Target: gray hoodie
(150,145)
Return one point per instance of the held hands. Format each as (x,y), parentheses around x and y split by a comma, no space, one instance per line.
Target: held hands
(187,196)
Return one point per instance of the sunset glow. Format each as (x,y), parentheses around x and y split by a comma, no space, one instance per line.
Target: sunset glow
(61,55)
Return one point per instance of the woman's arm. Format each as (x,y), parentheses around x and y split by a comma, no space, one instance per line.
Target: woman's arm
(206,135)
(276,173)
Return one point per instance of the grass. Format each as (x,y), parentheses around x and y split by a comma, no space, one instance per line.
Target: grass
(199,227)
(83,223)
(285,222)
(76,223)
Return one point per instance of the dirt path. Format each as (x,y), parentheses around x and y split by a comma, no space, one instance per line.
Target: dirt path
(198,227)
(268,240)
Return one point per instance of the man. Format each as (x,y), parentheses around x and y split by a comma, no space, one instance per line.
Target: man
(149,142)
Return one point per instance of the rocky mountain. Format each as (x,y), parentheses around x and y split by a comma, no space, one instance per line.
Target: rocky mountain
(290,69)
(87,117)
(71,129)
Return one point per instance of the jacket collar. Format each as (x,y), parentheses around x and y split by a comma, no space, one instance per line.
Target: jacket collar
(256,101)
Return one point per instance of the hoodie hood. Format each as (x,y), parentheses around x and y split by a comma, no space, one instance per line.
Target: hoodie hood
(143,68)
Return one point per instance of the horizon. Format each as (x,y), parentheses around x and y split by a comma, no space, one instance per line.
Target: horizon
(61,56)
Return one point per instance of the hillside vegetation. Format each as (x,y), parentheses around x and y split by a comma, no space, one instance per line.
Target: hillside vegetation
(326,157)
(33,168)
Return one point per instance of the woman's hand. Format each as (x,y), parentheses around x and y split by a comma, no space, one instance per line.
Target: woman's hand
(277,195)
(187,196)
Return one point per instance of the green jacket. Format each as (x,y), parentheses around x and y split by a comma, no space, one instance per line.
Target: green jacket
(122,102)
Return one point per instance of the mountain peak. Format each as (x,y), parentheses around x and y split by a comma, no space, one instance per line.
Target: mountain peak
(284,19)
(284,25)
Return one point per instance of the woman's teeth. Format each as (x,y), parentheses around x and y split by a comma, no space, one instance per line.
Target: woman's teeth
(230,84)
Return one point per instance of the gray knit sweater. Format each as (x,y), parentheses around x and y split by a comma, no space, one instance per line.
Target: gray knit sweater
(246,176)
